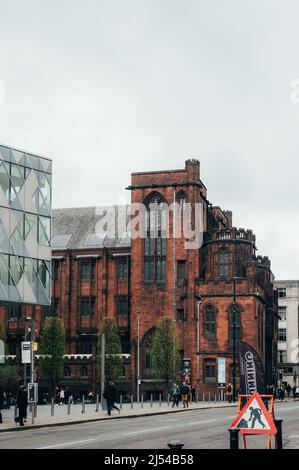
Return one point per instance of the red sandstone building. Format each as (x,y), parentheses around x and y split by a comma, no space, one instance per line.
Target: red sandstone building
(94,277)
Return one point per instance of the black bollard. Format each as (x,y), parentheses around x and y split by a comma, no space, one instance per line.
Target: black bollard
(234,438)
(176,444)
(278,437)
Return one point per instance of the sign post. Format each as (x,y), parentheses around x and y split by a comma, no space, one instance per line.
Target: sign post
(254,418)
(26,352)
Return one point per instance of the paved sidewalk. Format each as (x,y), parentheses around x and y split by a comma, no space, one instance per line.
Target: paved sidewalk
(77,418)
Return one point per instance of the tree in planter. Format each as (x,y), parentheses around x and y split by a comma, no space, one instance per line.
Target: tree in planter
(165,351)
(113,349)
(9,375)
(52,347)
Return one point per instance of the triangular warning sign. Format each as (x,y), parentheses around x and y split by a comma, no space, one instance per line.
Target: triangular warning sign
(254,418)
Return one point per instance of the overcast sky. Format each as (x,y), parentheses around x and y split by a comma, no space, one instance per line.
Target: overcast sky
(108,87)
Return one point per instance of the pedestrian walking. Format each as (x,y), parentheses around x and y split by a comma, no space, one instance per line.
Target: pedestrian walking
(110,396)
(22,404)
(175,395)
(297,393)
(1,402)
(61,397)
(185,395)
(289,389)
(229,392)
(193,394)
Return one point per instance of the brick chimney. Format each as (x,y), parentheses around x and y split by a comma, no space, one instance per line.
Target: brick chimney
(192,167)
(229,216)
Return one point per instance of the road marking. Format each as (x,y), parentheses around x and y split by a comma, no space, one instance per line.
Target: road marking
(293,436)
(201,422)
(144,431)
(66,444)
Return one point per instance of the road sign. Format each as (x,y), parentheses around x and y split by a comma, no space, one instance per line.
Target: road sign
(254,418)
(26,352)
(32,393)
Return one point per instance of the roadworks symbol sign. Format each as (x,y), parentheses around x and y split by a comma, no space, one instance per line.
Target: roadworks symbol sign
(254,418)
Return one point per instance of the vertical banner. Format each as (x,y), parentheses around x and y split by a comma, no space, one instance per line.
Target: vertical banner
(26,353)
(251,370)
(221,372)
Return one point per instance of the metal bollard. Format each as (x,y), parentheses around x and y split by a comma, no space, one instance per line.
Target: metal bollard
(175,444)
(160,400)
(69,406)
(52,406)
(142,400)
(15,411)
(151,400)
(197,398)
(132,402)
(97,403)
(278,437)
(121,402)
(234,438)
(35,409)
(215,398)
(203,398)
(168,399)
(209,397)
(83,405)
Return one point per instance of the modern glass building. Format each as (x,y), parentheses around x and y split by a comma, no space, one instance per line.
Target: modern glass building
(25,227)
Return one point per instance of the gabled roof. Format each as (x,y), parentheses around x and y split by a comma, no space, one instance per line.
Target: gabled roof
(82,228)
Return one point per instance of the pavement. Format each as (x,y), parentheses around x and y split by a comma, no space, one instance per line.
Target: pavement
(199,427)
(61,417)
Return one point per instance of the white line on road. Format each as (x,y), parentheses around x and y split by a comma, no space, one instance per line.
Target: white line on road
(66,444)
(201,422)
(144,431)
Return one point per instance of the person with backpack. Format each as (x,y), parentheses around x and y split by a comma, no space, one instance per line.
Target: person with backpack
(175,395)
(185,395)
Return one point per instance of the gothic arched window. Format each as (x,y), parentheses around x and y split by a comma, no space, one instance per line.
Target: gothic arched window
(84,371)
(147,348)
(210,321)
(155,241)
(223,262)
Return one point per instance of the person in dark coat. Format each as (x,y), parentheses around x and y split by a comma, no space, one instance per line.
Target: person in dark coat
(110,395)
(1,403)
(22,403)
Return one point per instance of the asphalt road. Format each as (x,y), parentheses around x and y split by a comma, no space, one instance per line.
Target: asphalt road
(202,429)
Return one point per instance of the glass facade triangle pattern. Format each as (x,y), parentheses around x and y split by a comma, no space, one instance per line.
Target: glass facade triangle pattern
(25,227)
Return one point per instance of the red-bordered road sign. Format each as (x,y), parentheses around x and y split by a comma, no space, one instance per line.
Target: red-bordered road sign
(254,418)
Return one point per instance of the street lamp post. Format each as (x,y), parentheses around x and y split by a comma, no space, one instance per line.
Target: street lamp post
(198,302)
(234,343)
(138,358)
(32,356)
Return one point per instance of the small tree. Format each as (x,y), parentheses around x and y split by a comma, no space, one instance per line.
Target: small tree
(9,375)
(165,351)
(52,346)
(113,349)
